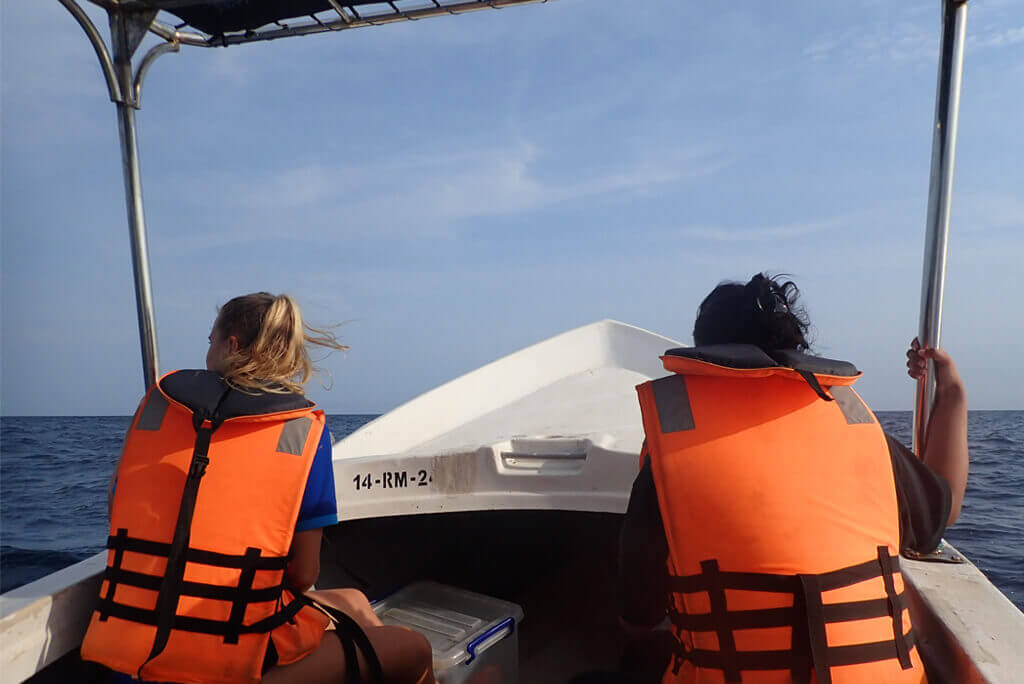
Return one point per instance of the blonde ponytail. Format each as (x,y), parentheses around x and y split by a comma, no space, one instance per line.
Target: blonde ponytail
(272,340)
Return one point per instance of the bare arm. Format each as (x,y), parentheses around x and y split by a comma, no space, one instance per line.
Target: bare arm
(304,560)
(945,444)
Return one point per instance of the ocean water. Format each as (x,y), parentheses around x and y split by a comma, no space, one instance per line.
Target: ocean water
(54,473)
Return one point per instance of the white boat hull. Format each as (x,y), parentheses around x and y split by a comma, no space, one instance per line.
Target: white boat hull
(511,480)
(555,426)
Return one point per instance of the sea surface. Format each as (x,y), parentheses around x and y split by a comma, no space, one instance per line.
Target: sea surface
(54,473)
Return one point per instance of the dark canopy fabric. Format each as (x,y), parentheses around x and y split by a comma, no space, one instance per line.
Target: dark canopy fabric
(217,17)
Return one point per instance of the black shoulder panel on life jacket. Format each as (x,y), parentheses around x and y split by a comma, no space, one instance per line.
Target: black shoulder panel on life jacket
(729,355)
(206,393)
(814,364)
(749,356)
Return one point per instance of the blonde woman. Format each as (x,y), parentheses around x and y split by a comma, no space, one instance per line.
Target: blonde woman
(217,508)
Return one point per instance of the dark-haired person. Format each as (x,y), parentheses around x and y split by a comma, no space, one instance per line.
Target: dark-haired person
(771,508)
(217,507)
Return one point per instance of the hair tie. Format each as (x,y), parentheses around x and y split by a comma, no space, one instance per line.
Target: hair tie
(772,302)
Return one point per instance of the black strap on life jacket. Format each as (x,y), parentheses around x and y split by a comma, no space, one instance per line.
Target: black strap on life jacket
(807,617)
(811,380)
(240,595)
(351,636)
(174,575)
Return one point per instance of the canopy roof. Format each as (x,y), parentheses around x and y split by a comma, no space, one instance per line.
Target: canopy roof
(217,17)
(223,22)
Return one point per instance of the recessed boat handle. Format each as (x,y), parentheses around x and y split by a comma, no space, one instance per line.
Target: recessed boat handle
(548,448)
(562,456)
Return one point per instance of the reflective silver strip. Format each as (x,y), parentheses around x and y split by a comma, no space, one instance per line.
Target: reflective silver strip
(153,412)
(673,403)
(293,436)
(853,408)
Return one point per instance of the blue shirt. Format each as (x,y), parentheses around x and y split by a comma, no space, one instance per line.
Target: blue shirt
(319,505)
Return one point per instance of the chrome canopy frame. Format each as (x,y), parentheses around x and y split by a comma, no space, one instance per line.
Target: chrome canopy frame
(940,200)
(131,20)
(127,29)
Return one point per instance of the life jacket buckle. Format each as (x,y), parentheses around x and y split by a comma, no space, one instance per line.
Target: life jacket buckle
(199,463)
(678,658)
(680,654)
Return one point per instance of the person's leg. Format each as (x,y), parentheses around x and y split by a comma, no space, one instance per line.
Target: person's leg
(325,664)
(352,602)
(404,655)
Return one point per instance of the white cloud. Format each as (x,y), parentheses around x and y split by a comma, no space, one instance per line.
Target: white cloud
(821,47)
(763,234)
(232,67)
(996,39)
(420,193)
(903,43)
(898,42)
(984,212)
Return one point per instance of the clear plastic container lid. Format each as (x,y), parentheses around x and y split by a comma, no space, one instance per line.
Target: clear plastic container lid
(459,624)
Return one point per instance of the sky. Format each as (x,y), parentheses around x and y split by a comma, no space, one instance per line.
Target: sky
(454,189)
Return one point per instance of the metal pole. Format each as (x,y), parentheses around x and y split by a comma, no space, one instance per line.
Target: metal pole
(133,198)
(940,192)
(97,44)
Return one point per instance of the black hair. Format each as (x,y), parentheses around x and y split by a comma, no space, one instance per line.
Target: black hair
(762,312)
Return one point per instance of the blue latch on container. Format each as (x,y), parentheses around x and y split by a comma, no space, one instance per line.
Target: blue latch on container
(509,623)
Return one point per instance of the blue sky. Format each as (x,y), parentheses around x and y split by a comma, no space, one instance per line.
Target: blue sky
(454,189)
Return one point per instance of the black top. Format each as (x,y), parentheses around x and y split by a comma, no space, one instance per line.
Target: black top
(922,497)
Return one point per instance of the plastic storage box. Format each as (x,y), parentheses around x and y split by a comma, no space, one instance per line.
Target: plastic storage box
(473,636)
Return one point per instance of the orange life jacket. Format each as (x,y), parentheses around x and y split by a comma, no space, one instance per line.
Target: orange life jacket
(207,497)
(779,505)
